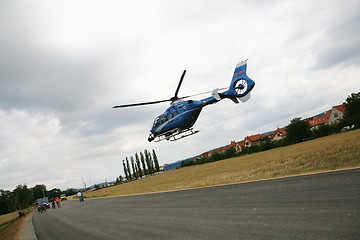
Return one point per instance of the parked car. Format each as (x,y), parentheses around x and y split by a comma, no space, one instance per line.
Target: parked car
(63,197)
(43,202)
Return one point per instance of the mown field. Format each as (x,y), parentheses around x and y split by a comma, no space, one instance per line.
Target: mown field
(328,153)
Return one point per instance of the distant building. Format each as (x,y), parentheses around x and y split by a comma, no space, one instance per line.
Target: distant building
(237,145)
(330,117)
(316,121)
(254,139)
(278,134)
(161,168)
(176,165)
(337,112)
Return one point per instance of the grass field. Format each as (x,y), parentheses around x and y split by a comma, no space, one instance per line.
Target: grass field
(6,220)
(328,153)
(8,217)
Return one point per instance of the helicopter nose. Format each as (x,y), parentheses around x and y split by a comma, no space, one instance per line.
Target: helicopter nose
(151,138)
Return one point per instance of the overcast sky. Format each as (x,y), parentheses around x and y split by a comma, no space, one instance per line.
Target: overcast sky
(65,64)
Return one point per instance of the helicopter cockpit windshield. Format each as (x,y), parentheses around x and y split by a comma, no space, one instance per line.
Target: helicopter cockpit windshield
(156,122)
(160,120)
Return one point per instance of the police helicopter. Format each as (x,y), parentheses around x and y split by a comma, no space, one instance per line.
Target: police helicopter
(177,120)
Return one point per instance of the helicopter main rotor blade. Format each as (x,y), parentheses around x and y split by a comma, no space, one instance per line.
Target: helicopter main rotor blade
(140,104)
(178,87)
(161,101)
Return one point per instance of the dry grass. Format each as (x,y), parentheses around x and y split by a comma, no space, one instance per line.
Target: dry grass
(8,217)
(14,215)
(328,153)
(10,224)
(12,231)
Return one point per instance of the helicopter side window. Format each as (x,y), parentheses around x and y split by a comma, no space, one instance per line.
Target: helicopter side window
(164,118)
(172,115)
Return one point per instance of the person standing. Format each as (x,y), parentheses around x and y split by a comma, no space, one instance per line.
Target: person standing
(81,198)
(57,202)
(52,203)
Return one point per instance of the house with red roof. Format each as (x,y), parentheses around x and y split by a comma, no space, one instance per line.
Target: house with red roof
(336,113)
(278,134)
(317,121)
(210,153)
(255,139)
(331,116)
(237,145)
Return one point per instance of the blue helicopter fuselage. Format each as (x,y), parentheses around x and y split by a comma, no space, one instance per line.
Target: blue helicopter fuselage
(182,114)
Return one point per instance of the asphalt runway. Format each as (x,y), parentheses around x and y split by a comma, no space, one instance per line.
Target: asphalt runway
(320,206)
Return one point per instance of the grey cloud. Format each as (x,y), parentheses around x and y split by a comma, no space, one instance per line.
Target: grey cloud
(341,42)
(47,81)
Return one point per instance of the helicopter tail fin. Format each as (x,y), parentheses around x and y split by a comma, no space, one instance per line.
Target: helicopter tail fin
(241,85)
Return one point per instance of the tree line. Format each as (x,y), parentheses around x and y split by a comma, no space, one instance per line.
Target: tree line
(140,165)
(23,197)
(298,130)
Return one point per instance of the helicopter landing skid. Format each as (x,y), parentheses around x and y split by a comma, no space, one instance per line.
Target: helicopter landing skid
(174,136)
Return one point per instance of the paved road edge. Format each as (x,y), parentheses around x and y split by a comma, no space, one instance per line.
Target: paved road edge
(28,230)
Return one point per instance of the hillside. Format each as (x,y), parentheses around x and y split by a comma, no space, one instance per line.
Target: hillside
(328,153)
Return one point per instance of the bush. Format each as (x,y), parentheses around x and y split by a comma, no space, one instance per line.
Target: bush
(298,130)
(352,114)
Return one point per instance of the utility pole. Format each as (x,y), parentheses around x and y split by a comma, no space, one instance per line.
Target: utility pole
(82,178)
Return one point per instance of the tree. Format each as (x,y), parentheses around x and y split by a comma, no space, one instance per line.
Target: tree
(55,192)
(125,170)
(133,167)
(156,162)
(22,197)
(128,168)
(148,162)
(121,179)
(229,153)
(298,130)
(322,131)
(151,163)
(216,156)
(142,158)
(138,165)
(352,113)
(70,192)
(4,201)
(266,145)
(38,191)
